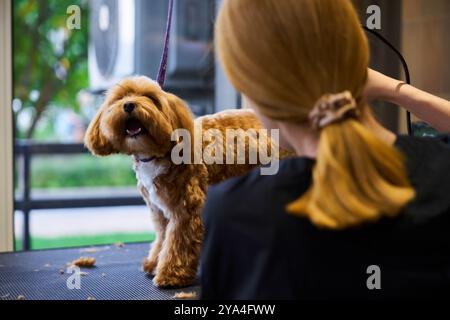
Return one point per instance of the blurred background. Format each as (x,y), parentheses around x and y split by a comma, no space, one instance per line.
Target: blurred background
(66,197)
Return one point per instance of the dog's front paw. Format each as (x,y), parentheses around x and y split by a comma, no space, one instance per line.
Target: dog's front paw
(149,266)
(173,281)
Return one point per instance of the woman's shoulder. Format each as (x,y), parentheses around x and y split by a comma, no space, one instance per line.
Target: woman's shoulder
(425,153)
(254,188)
(440,143)
(289,170)
(428,164)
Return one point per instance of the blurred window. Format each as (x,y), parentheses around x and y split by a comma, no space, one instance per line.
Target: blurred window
(66,54)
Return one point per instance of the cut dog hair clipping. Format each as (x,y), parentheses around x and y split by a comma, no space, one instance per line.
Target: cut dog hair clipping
(85,262)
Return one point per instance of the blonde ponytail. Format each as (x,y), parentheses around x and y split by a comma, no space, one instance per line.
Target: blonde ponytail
(357,178)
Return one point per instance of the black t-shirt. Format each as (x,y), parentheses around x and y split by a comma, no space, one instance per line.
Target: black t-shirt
(254,249)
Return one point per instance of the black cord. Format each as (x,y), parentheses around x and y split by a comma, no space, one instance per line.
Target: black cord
(405,68)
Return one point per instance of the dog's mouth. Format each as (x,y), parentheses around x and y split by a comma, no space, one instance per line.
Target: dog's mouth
(133,127)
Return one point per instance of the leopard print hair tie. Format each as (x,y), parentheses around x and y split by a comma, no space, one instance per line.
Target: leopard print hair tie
(332,108)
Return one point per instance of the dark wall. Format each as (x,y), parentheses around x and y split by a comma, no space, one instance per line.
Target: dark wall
(382,58)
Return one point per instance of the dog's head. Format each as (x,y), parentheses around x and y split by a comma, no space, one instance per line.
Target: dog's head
(137,118)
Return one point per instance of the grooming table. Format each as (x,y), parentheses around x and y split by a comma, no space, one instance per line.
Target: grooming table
(38,275)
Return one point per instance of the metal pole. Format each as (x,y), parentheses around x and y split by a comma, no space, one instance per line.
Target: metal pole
(26,197)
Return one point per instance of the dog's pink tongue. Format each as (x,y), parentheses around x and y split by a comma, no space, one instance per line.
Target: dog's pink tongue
(133,127)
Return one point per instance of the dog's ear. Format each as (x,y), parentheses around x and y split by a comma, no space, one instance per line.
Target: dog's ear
(183,115)
(94,140)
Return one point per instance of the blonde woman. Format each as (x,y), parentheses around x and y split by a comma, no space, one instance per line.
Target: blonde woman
(360,212)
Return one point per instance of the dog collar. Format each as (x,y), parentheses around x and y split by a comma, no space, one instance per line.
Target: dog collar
(146,160)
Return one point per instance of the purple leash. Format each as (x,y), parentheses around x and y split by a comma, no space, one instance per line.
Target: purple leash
(163,65)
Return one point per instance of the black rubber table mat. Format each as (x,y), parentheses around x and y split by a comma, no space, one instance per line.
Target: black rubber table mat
(38,275)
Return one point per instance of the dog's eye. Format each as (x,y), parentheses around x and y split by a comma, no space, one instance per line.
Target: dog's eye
(155,102)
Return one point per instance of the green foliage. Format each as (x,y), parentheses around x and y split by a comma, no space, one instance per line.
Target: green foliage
(57,70)
(81,171)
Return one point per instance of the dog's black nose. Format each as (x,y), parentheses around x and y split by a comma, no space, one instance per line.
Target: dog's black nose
(129,107)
